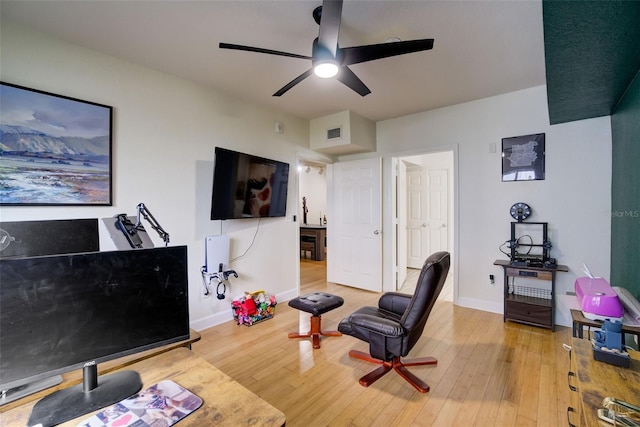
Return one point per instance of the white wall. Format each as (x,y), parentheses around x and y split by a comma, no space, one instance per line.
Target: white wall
(164,133)
(573,199)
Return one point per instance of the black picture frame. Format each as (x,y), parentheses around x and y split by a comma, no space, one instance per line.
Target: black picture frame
(523,158)
(54,150)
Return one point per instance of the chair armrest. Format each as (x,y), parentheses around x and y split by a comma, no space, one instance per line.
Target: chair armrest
(379,325)
(394,302)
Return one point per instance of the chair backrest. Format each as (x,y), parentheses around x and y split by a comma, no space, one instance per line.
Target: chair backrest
(430,283)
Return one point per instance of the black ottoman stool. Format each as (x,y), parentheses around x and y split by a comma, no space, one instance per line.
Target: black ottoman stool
(316,303)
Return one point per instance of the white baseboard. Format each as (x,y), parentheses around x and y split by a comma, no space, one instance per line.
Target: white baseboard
(226,316)
(490,306)
(287,295)
(212,320)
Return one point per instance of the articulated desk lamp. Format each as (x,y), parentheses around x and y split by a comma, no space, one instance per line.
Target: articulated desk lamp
(135,234)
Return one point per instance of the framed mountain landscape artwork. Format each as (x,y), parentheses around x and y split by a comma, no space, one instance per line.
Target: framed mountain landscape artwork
(54,150)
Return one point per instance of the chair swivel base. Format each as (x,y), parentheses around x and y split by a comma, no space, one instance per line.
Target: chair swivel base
(397,365)
(315,332)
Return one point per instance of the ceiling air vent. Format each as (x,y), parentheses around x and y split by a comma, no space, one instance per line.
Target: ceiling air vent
(335,133)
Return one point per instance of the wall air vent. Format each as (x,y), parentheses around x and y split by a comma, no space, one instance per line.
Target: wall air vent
(342,133)
(335,133)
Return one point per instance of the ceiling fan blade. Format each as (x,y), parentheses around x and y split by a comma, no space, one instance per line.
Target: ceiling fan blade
(348,77)
(357,54)
(293,82)
(330,25)
(260,50)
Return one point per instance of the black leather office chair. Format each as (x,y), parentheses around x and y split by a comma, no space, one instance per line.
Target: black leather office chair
(394,327)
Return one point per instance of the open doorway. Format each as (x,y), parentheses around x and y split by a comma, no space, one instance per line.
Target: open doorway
(312,220)
(425,215)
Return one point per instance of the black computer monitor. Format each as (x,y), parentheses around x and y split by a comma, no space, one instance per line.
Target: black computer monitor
(65,312)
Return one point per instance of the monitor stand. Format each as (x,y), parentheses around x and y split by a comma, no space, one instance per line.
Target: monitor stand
(93,394)
(24,390)
(121,240)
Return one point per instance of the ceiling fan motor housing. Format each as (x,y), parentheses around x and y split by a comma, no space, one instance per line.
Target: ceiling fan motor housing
(326,52)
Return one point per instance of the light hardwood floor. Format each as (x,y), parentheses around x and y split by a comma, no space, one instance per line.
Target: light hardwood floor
(488,373)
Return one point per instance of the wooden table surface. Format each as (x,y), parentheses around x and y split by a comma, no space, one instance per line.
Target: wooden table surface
(225,402)
(598,380)
(75,377)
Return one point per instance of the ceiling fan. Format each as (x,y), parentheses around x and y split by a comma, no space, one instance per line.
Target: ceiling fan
(329,60)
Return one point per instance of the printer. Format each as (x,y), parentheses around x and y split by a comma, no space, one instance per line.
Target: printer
(598,300)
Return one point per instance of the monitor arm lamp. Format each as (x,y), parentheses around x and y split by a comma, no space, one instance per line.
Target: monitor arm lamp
(131,230)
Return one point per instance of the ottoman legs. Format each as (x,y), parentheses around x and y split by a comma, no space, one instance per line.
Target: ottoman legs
(315,332)
(316,304)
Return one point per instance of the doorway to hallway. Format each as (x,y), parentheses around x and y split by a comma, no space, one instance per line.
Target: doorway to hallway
(424,212)
(311,207)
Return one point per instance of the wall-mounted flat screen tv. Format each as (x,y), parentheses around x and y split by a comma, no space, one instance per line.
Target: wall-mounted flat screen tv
(247,186)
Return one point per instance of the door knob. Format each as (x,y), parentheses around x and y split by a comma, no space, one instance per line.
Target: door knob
(424,225)
(376,232)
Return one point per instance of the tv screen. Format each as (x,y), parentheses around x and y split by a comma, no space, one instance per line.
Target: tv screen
(64,312)
(247,186)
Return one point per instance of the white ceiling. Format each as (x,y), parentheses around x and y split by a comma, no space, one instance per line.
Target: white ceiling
(482,48)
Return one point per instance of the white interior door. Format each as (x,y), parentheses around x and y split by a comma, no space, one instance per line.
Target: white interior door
(354,239)
(416,217)
(427,213)
(437,211)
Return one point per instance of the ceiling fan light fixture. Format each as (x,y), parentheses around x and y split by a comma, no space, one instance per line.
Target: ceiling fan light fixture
(326,69)
(329,60)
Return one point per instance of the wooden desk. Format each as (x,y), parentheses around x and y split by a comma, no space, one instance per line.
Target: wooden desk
(594,380)
(225,402)
(315,236)
(75,377)
(579,322)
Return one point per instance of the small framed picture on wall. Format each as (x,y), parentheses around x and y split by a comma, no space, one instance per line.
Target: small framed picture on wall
(523,158)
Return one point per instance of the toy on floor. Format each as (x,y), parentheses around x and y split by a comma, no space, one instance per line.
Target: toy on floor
(253,307)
